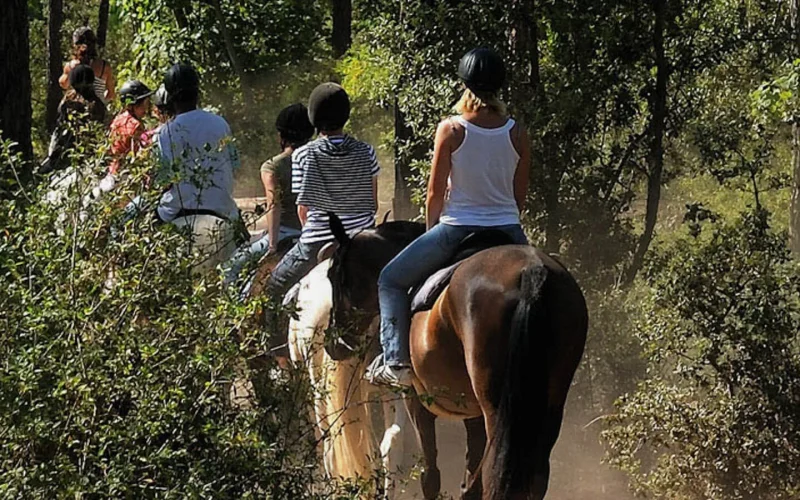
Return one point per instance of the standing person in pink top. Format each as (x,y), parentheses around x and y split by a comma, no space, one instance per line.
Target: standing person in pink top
(479,180)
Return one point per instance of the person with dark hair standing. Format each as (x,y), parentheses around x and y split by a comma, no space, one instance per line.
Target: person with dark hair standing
(85,52)
(79,107)
(478,180)
(294,131)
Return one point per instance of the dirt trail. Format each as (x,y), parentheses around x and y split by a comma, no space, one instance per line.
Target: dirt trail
(577,471)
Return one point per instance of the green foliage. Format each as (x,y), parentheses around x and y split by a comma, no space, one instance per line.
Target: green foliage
(118,364)
(716,416)
(264,36)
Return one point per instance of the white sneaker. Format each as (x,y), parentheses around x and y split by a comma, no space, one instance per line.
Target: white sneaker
(378,373)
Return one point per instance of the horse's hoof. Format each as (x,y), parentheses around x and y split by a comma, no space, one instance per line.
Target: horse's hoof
(431,484)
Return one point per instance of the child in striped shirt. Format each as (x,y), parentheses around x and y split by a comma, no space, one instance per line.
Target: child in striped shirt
(334,173)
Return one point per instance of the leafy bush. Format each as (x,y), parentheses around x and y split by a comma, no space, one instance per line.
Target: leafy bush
(716,417)
(117,365)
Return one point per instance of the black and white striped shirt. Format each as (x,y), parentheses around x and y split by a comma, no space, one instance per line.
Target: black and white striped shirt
(334,174)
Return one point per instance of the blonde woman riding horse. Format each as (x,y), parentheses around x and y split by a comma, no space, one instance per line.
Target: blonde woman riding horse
(499,346)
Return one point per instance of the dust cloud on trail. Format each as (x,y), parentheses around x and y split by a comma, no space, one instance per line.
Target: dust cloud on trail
(576,468)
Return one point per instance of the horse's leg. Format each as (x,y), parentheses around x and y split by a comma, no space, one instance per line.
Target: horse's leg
(396,421)
(425,425)
(476,447)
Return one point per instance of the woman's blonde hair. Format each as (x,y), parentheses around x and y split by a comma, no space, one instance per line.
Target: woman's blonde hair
(471,102)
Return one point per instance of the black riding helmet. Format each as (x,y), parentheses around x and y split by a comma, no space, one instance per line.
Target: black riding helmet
(180,81)
(482,70)
(328,107)
(293,124)
(133,92)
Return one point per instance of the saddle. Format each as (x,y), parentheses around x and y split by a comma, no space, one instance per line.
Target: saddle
(424,296)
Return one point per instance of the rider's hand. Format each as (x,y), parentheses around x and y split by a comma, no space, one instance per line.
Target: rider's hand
(272,250)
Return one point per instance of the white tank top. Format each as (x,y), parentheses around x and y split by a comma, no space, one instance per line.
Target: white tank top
(481,182)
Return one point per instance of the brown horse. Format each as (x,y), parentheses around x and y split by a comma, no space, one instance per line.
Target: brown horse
(498,350)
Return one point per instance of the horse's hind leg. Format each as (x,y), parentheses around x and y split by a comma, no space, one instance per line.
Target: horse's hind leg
(425,425)
(476,446)
(396,423)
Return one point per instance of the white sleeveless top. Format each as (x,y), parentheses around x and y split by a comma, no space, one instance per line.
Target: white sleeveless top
(481,182)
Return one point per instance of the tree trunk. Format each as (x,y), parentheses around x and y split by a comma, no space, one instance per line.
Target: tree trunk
(794,224)
(529,98)
(230,48)
(54,61)
(551,172)
(402,207)
(102,25)
(181,17)
(655,159)
(15,77)
(341,37)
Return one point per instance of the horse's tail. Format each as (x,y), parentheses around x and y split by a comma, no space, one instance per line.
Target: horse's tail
(523,397)
(349,448)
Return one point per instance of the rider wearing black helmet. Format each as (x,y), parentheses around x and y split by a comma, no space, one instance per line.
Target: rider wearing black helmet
(196,146)
(127,129)
(333,174)
(294,131)
(182,85)
(485,176)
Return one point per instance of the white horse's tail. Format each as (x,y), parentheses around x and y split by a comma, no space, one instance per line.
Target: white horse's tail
(341,400)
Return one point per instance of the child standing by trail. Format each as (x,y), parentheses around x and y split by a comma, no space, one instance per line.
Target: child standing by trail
(335,173)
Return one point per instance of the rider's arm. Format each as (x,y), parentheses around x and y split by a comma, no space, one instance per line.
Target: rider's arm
(522,175)
(63,80)
(270,181)
(440,171)
(302,214)
(375,192)
(108,76)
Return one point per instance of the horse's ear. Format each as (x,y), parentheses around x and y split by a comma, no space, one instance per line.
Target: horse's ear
(386,217)
(337,228)
(326,252)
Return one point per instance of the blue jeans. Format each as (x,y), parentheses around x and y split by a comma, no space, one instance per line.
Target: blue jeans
(416,262)
(297,262)
(252,252)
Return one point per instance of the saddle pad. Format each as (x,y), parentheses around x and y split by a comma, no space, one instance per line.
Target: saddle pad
(425,296)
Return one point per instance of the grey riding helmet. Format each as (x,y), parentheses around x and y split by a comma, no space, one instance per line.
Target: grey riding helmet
(482,70)
(160,99)
(328,107)
(133,92)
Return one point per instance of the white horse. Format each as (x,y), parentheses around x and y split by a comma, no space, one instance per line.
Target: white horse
(212,240)
(343,399)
